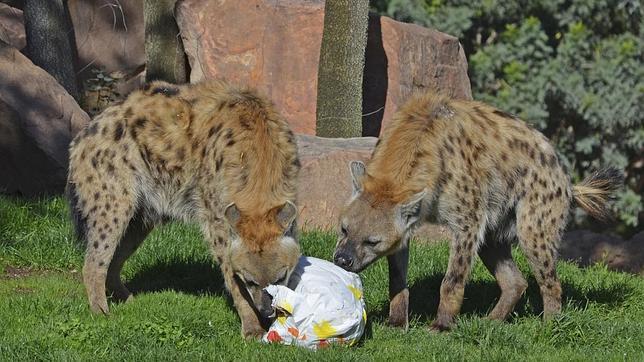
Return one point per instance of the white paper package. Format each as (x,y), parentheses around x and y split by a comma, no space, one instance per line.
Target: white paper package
(325,305)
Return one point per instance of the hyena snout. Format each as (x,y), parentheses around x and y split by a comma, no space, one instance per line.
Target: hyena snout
(265,308)
(343,259)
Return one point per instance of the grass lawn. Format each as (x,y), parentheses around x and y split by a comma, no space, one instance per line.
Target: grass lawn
(180,311)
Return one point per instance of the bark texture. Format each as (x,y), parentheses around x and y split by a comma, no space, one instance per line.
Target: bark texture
(50,41)
(165,59)
(344,38)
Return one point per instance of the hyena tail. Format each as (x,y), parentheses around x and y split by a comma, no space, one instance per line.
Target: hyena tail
(593,193)
(79,222)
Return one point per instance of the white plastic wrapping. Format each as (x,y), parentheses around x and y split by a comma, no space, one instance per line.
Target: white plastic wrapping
(324,305)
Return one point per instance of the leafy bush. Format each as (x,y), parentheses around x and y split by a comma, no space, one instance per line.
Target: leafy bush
(572,68)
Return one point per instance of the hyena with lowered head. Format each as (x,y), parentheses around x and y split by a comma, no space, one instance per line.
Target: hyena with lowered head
(489,177)
(208,153)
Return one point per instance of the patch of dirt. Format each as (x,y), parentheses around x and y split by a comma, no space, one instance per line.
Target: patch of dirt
(23,290)
(11,272)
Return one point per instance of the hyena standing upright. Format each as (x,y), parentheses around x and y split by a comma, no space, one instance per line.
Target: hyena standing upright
(208,153)
(486,174)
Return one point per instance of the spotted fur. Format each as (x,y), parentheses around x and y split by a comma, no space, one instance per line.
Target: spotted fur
(487,175)
(208,153)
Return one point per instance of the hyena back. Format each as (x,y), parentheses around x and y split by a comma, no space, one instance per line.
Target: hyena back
(489,177)
(207,153)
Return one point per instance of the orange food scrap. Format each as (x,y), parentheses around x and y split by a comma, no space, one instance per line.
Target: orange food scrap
(293,331)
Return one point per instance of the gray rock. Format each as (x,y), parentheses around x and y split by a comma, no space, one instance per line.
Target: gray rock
(39,119)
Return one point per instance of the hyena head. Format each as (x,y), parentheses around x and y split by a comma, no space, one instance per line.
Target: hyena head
(369,229)
(263,251)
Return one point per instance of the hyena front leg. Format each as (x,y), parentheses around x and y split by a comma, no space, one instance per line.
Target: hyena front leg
(462,251)
(398,291)
(217,237)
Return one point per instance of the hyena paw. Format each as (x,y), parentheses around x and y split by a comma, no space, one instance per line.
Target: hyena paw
(440,326)
(99,306)
(401,322)
(121,295)
(252,331)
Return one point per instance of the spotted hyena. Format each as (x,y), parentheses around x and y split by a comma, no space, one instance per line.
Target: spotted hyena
(489,177)
(209,153)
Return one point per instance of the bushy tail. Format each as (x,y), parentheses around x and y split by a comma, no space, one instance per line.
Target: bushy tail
(593,193)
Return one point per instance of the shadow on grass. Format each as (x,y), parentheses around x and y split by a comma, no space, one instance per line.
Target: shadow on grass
(196,278)
(481,296)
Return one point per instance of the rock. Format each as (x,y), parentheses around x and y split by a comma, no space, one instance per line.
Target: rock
(109,37)
(325,182)
(109,34)
(404,58)
(12,28)
(275,45)
(39,120)
(586,247)
(24,168)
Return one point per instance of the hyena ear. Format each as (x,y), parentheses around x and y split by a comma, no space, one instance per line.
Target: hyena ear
(232,214)
(410,211)
(358,171)
(287,214)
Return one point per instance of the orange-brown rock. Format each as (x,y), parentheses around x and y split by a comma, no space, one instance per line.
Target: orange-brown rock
(275,45)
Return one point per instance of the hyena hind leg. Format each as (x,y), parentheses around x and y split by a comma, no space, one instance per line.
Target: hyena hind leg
(538,242)
(135,233)
(104,233)
(497,258)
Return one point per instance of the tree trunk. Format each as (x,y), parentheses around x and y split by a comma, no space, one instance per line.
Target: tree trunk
(50,41)
(339,103)
(165,59)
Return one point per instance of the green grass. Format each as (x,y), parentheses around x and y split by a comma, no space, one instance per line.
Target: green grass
(180,311)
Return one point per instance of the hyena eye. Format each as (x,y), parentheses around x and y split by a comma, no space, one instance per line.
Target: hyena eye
(343,231)
(251,283)
(248,281)
(372,241)
(281,280)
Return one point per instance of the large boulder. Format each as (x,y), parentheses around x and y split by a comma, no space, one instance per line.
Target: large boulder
(109,34)
(109,38)
(12,28)
(586,247)
(324,184)
(275,46)
(38,121)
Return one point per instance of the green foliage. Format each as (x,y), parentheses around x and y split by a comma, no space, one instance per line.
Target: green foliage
(572,68)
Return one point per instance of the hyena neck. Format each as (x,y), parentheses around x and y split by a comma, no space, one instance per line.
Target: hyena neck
(407,160)
(260,165)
